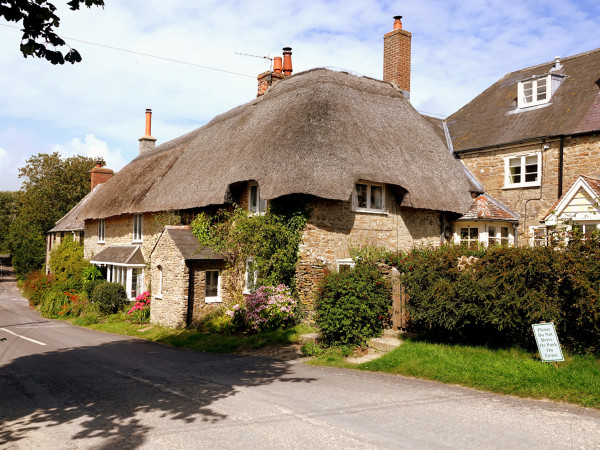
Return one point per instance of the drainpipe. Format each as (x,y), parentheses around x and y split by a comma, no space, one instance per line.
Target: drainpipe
(561,153)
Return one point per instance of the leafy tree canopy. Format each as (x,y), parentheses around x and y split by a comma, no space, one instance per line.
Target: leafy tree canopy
(51,187)
(39,23)
(8,209)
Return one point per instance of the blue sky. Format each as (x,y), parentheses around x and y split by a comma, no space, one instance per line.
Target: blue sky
(96,108)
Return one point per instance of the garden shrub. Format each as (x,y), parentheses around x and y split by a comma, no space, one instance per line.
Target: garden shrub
(36,286)
(53,303)
(353,306)
(89,286)
(140,312)
(68,265)
(270,308)
(110,298)
(503,291)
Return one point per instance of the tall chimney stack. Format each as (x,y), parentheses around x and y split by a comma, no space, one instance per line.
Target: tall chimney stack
(100,174)
(147,142)
(281,69)
(396,57)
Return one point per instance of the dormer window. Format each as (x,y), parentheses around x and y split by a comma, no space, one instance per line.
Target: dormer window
(256,205)
(537,90)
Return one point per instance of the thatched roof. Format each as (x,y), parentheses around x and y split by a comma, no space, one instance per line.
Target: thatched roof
(70,221)
(492,118)
(315,133)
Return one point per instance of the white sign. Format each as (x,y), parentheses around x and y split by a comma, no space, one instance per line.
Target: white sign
(547,342)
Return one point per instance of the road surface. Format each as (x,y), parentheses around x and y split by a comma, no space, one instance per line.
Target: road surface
(63,386)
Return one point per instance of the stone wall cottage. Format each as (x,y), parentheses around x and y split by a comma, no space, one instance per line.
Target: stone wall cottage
(370,167)
(531,134)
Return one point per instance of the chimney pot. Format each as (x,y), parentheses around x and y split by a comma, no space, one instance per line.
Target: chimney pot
(100,174)
(147,142)
(277,64)
(287,61)
(397,22)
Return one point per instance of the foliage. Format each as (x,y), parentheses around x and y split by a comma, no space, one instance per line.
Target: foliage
(8,210)
(53,304)
(312,349)
(36,286)
(68,265)
(271,240)
(28,250)
(140,312)
(89,286)
(109,297)
(39,23)
(495,299)
(270,308)
(353,305)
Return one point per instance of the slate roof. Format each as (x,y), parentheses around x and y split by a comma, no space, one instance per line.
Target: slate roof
(189,246)
(120,254)
(489,119)
(314,133)
(487,208)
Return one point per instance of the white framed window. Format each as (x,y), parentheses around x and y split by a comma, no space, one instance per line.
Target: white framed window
(498,236)
(344,264)
(251,276)
(101,230)
(368,197)
(138,227)
(131,277)
(585,229)
(537,236)
(522,171)
(212,286)
(535,91)
(469,236)
(256,205)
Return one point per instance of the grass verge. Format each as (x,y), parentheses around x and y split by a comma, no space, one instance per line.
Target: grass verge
(513,371)
(202,341)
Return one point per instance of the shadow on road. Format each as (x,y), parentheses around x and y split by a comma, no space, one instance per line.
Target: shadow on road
(6,271)
(121,390)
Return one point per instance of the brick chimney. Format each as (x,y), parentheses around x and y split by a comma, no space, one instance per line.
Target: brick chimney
(280,71)
(147,142)
(396,57)
(100,174)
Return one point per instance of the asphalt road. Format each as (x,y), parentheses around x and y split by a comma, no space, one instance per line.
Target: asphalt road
(66,387)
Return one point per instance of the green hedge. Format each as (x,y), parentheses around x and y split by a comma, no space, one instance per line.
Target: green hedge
(353,305)
(110,298)
(498,296)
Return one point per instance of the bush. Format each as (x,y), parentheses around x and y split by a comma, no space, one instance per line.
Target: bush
(36,286)
(53,304)
(353,305)
(495,298)
(68,265)
(89,286)
(110,298)
(140,312)
(270,308)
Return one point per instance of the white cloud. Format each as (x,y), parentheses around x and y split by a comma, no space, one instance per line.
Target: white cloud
(92,147)
(2,154)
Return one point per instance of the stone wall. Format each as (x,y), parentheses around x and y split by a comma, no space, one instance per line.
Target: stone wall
(334,229)
(229,292)
(581,157)
(169,307)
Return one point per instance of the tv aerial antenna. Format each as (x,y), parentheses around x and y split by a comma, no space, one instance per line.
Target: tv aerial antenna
(258,56)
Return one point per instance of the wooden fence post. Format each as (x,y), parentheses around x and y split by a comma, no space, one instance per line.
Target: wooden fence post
(399,298)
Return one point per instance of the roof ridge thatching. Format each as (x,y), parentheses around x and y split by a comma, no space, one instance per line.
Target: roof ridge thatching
(314,133)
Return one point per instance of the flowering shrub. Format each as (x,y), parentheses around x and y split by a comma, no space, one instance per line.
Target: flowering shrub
(140,312)
(36,286)
(270,308)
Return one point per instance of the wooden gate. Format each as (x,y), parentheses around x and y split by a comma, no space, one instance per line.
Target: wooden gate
(399,299)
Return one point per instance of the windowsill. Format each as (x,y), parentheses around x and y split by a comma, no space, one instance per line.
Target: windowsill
(212,300)
(379,212)
(159,297)
(522,186)
(101,242)
(137,242)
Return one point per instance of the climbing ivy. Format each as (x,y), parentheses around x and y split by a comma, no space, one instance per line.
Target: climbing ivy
(271,240)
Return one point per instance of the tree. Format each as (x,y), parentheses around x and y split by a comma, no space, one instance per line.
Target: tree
(39,24)
(8,209)
(51,187)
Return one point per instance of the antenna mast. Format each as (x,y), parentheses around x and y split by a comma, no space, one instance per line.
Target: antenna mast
(257,56)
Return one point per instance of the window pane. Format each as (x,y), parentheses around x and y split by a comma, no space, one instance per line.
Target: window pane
(504,232)
(541,89)
(361,195)
(464,233)
(253,205)
(531,168)
(376,197)
(515,170)
(212,283)
(492,232)
(473,233)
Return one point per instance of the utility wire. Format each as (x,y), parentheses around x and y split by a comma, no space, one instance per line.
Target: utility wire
(148,55)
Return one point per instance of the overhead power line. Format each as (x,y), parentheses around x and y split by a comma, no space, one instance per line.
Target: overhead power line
(148,55)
